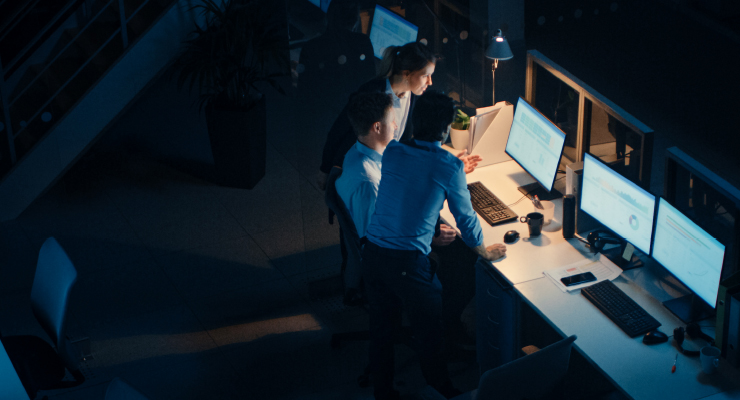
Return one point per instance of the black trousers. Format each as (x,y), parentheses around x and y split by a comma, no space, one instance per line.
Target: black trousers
(397,280)
(456,272)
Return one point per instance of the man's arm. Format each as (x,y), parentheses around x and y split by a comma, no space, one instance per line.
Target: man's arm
(362,206)
(458,199)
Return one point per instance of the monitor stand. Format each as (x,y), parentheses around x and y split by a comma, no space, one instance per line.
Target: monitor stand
(615,255)
(689,308)
(535,189)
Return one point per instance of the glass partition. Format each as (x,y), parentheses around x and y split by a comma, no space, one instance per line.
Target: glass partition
(591,122)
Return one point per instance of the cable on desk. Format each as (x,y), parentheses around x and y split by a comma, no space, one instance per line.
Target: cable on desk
(518,201)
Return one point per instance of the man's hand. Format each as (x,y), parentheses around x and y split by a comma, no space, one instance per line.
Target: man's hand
(446,236)
(470,161)
(492,252)
(496,251)
(321,180)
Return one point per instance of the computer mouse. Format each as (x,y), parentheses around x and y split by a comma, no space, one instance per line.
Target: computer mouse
(511,236)
(654,337)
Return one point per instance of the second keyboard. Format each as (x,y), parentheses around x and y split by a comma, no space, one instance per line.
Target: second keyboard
(620,308)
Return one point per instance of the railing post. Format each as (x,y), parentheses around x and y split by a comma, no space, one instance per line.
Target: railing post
(4,98)
(124,32)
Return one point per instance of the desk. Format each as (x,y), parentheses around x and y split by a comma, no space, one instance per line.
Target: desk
(10,386)
(639,371)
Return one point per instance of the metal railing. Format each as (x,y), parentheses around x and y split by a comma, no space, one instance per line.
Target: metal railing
(11,125)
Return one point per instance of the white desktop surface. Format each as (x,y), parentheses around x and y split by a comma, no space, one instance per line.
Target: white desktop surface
(503,179)
(639,370)
(10,386)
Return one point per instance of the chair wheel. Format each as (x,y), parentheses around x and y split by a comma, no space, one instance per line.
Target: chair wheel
(363,380)
(334,342)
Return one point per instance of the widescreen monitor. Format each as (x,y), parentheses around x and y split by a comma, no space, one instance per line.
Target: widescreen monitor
(536,144)
(390,29)
(617,203)
(689,253)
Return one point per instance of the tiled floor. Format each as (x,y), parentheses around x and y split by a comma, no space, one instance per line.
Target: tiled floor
(189,290)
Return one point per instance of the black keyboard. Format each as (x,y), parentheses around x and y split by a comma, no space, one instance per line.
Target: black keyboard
(488,206)
(620,308)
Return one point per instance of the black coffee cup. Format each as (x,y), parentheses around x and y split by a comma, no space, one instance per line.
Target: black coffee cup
(534,221)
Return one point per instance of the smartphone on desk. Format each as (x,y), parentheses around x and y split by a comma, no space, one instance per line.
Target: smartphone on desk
(577,279)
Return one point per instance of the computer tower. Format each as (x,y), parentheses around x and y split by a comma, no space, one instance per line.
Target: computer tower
(727,288)
(573,184)
(733,331)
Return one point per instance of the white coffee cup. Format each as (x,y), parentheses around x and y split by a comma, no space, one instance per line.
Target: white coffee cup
(548,211)
(709,359)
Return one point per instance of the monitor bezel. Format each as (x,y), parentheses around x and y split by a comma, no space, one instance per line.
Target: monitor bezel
(724,253)
(655,203)
(560,157)
(396,16)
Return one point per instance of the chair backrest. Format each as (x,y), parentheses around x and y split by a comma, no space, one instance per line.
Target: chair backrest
(118,389)
(52,283)
(530,377)
(352,275)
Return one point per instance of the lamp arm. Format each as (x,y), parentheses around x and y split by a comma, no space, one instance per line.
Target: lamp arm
(493,81)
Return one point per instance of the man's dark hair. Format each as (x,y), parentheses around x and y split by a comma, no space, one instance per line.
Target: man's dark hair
(365,109)
(432,114)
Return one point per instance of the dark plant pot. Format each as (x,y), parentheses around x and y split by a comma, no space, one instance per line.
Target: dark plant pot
(239,144)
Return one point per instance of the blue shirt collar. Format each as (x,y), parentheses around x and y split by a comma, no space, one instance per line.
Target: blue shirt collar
(424,143)
(374,155)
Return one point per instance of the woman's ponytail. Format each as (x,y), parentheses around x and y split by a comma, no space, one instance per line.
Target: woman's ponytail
(386,64)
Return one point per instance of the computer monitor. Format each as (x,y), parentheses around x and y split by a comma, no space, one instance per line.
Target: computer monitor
(536,144)
(693,256)
(617,203)
(390,29)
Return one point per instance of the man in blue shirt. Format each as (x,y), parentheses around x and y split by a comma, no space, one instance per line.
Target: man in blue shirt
(417,178)
(373,120)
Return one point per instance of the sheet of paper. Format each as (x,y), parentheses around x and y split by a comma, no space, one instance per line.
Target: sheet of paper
(602,268)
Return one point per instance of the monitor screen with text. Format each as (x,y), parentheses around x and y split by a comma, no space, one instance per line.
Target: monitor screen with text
(535,143)
(688,252)
(390,29)
(617,203)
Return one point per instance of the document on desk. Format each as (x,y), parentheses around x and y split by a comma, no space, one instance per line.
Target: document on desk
(600,266)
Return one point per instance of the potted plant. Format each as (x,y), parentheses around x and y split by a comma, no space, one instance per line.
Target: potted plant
(459,134)
(241,45)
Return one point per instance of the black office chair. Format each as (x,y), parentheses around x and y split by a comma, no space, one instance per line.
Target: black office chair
(39,366)
(538,375)
(351,275)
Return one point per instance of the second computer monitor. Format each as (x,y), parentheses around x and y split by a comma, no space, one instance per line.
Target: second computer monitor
(536,144)
(617,203)
(691,255)
(390,29)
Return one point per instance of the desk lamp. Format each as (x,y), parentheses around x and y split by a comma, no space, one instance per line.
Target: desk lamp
(497,50)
